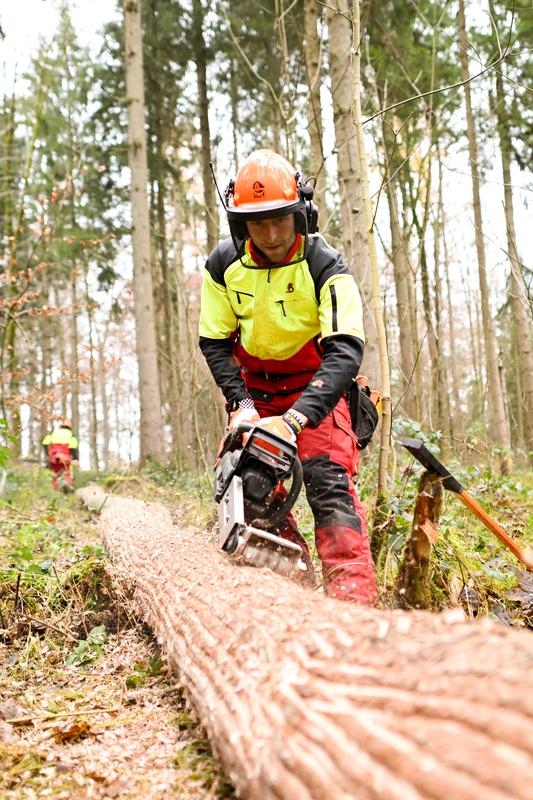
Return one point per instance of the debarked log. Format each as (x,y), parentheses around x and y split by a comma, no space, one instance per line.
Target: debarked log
(309,698)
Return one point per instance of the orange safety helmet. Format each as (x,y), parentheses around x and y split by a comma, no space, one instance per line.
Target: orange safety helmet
(267,186)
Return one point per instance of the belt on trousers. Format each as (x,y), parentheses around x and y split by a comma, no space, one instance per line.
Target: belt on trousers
(266,397)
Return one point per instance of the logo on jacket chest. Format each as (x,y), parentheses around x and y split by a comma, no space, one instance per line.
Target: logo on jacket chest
(290,288)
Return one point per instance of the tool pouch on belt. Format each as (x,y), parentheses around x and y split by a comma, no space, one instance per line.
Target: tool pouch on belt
(363,412)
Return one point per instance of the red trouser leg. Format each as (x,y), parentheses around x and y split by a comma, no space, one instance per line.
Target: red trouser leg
(347,566)
(67,475)
(330,458)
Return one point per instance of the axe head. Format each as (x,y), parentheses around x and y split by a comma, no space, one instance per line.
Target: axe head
(432,464)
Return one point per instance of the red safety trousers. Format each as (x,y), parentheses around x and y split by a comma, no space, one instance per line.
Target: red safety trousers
(330,459)
(59,458)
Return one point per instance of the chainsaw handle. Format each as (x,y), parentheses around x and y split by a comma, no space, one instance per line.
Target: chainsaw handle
(288,502)
(230,438)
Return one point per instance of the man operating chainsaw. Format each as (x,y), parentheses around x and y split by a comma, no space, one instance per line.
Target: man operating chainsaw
(281,331)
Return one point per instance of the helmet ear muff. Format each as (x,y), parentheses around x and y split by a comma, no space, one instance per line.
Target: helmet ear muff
(306,192)
(229,191)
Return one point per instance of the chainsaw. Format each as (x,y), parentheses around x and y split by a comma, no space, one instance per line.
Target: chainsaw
(249,473)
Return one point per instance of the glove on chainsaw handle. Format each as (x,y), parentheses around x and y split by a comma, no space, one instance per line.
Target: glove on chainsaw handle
(279,427)
(292,495)
(242,416)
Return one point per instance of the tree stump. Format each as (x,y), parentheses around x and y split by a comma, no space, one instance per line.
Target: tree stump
(309,698)
(413,576)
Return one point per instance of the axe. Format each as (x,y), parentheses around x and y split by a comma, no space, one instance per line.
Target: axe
(432,464)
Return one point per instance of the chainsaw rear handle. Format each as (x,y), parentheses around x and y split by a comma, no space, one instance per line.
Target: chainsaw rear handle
(292,495)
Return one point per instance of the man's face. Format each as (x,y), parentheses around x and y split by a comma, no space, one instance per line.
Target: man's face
(274,237)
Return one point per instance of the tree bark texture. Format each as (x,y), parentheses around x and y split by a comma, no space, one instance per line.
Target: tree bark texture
(309,698)
(521,309)
(379,323)
(499,430)
(405,303)
(312,52)
(353,225)
(152,444)
(200,58)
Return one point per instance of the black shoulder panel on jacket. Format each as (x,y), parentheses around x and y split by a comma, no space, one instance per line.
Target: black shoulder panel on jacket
(324,262)
(219,260)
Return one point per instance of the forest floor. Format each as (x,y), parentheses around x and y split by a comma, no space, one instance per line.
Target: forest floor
(88,708)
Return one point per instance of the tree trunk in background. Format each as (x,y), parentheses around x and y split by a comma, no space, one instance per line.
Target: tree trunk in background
(312,52)
(74,355)
(454,393)
(168,355)
(354,234)
(332,700)
(234,105)
(443,404)
(46,408)
(93,414)
(478,406)
(382,500)
(104,403)
(181,367)
(151,427)
(200,60)
(405,302)
(521,310)
(498,426)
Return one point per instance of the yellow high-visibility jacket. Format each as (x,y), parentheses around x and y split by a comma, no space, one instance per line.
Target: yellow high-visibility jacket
(61,436)
(284,326)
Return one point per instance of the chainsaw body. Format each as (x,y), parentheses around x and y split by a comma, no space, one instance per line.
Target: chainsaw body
(247,478)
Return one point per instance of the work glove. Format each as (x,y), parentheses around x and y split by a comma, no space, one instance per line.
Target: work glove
(248,415)
(279,426)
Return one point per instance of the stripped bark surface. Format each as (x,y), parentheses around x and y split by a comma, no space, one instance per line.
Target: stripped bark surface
(308,698)
(414,575)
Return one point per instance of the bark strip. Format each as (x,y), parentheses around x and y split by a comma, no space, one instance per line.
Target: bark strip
(308,698)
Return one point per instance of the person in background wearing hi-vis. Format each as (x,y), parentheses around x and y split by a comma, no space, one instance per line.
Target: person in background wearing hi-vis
(61,453)
(281,331)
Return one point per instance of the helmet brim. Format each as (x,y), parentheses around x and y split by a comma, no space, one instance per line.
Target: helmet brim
(251,212)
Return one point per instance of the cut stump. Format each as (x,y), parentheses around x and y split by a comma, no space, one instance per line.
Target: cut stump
(414,576)
(309,698)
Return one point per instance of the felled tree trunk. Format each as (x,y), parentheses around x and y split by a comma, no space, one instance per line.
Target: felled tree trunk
(308,698)
(413,577)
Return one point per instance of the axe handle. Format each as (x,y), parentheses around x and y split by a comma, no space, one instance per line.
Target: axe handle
(493,526)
